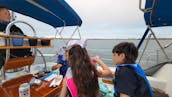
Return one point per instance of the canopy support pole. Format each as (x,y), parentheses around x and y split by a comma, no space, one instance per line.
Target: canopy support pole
(143,38)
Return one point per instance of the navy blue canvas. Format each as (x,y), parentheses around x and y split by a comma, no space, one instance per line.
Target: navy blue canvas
(59,8)
(161,13)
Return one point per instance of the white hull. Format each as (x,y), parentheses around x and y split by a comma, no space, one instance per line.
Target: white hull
(162,79)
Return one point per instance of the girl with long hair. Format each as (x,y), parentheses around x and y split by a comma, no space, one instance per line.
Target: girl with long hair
(81,79)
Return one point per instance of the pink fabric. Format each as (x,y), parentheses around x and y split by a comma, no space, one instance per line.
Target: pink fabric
(72,87)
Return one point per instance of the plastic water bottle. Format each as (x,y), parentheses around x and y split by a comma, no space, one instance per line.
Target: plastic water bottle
(24,90)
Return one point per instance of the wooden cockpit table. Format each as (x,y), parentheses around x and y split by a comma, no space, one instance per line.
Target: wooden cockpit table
(10,88)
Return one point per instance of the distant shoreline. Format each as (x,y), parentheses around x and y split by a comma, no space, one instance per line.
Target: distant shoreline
(112,38)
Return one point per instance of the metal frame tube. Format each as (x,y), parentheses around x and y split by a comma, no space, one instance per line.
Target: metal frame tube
(45,67)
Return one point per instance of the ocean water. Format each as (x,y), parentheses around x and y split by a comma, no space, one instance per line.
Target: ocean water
(103,48)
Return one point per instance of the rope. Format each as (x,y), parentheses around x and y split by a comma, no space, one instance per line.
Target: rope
(168,45)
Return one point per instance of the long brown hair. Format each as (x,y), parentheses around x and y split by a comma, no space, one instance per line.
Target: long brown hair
(84,73)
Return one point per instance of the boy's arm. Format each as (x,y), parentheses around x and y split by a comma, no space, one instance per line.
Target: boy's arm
(123,95)
(106,71)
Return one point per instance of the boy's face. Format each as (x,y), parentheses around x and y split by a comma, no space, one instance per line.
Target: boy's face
(118,58)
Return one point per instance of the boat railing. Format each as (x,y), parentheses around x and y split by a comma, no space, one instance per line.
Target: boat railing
(149,59)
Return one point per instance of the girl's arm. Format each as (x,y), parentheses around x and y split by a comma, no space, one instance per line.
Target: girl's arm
(63,92)
(58,65)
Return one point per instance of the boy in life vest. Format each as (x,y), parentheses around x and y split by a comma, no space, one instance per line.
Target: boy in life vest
(130,80)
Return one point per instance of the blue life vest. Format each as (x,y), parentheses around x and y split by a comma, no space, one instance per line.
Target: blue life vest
(64,67)
(139,71)
(3,22)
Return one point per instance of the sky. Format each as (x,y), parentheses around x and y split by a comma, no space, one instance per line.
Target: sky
(101,19)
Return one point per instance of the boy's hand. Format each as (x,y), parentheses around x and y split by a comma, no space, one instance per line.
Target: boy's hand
(99,72)
(92,61)
(96,59)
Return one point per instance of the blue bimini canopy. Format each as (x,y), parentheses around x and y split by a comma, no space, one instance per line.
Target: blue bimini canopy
(56,13)
(160,14)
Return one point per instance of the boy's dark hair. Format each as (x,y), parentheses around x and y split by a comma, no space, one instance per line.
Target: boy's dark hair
(129,49)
